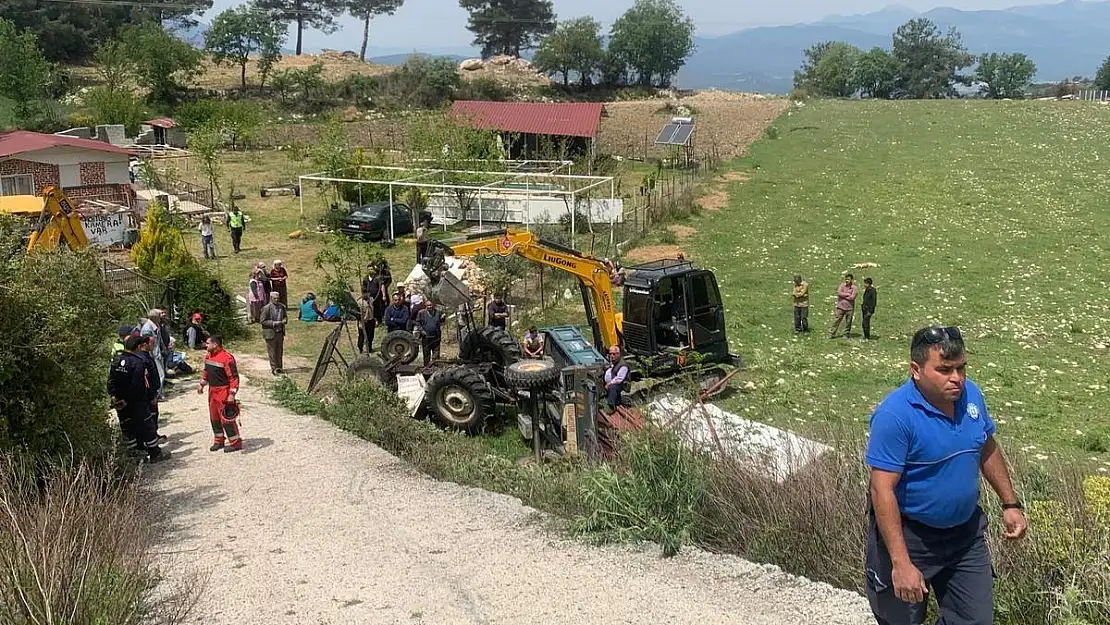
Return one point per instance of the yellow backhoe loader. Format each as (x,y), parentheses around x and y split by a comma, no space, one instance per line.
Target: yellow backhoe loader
(58,223)
(672,323)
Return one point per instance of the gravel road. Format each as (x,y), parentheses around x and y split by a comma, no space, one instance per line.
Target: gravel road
(311,525)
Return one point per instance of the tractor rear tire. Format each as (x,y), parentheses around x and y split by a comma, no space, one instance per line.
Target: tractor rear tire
(532,375)
(459,398)
(372,367)
(490,344)
(402,345)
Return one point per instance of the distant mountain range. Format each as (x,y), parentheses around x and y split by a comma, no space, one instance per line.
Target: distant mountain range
(1067,39)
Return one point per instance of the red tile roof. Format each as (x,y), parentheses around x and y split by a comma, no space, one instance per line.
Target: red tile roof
(566,120)
(23,141)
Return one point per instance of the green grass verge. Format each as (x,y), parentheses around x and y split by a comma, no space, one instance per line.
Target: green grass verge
(979,214)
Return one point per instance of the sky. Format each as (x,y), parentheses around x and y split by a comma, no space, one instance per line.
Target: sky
(435,25)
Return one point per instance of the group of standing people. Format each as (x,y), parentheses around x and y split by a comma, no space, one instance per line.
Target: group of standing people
(843,311)
(262,284)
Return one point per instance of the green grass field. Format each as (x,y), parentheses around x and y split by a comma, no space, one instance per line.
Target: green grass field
(986,215)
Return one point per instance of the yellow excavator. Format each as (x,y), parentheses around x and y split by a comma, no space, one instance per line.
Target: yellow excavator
(672,320)
(58,222)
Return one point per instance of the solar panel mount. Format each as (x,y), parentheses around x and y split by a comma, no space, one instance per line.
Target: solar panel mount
(677,132)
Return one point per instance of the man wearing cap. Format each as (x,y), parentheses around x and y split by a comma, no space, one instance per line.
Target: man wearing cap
(195,334)
(930,439)
(129,393)
(221,375)
(273,320)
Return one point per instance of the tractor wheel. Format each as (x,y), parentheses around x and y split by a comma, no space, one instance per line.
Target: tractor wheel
(372,367)
(402,345)
(532,375)
(490,344)
(459,398)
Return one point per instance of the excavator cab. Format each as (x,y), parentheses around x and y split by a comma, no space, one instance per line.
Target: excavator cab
(671,309)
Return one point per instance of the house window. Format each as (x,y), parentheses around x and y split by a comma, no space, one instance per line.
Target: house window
(22,184)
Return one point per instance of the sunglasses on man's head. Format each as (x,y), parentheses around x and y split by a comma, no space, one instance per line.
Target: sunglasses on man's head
(937,334)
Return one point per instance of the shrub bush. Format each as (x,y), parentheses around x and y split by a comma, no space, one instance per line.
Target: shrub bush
(56,322)
(161,253)
(1059,572)
(651,493)
(422,82)
(75,545)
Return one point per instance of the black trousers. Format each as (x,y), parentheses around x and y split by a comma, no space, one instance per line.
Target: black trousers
(421,251)
(956,565)
(867,312)
(801,318)
(139,430)
(430,348)
(366,336)
(236,238)
(613,395)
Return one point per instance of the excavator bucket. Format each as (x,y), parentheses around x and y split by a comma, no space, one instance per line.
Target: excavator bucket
(448,290)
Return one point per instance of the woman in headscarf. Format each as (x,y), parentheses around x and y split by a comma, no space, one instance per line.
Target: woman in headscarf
(256,295)
(278,278)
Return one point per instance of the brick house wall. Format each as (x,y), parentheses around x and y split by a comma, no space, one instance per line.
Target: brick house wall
(92,175)
(43,173)
(117,193)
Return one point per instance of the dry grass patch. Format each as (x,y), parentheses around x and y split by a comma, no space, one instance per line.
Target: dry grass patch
(734,176)
(714,201)
(336,67)
(727,122)
(683,232)
(649,253)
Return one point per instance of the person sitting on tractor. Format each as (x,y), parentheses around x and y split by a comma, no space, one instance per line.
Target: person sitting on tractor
(533,343)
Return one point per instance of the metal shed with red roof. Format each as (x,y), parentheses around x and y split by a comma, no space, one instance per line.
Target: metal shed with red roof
(574,125)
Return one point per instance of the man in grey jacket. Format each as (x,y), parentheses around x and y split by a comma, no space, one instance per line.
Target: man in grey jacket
(273,320)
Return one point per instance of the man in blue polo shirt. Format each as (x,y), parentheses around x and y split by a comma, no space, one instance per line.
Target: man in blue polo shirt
(929,440)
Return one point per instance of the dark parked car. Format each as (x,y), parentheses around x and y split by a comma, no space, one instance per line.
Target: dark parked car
(370,222)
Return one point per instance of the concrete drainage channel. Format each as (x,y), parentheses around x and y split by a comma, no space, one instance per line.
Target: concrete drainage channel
(777,452)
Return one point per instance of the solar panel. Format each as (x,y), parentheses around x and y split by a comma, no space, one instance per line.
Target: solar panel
(682,136)
(667,133)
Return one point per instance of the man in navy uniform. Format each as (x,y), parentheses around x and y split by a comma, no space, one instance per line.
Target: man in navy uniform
(930,439)
(129,392)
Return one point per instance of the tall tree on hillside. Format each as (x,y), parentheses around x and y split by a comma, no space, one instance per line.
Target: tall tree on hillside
(366,10)
(653,38)
(806,77)
(1005,75)
(877,73)
(238,33)
(162,62)
(829,69)
(25,74)
(509,26)
(316,14)
(1102,77)
(575,46)
(69,31)
(174,14)
(931,60)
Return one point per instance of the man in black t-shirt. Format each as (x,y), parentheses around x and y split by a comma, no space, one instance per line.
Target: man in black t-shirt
(497,313)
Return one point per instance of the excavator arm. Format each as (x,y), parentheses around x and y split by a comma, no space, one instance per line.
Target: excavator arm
(58,222)
(593,278)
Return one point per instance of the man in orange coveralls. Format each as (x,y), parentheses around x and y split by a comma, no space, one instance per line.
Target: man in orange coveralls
(222,376)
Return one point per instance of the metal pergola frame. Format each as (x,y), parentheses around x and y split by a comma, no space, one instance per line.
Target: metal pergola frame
(578,184)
